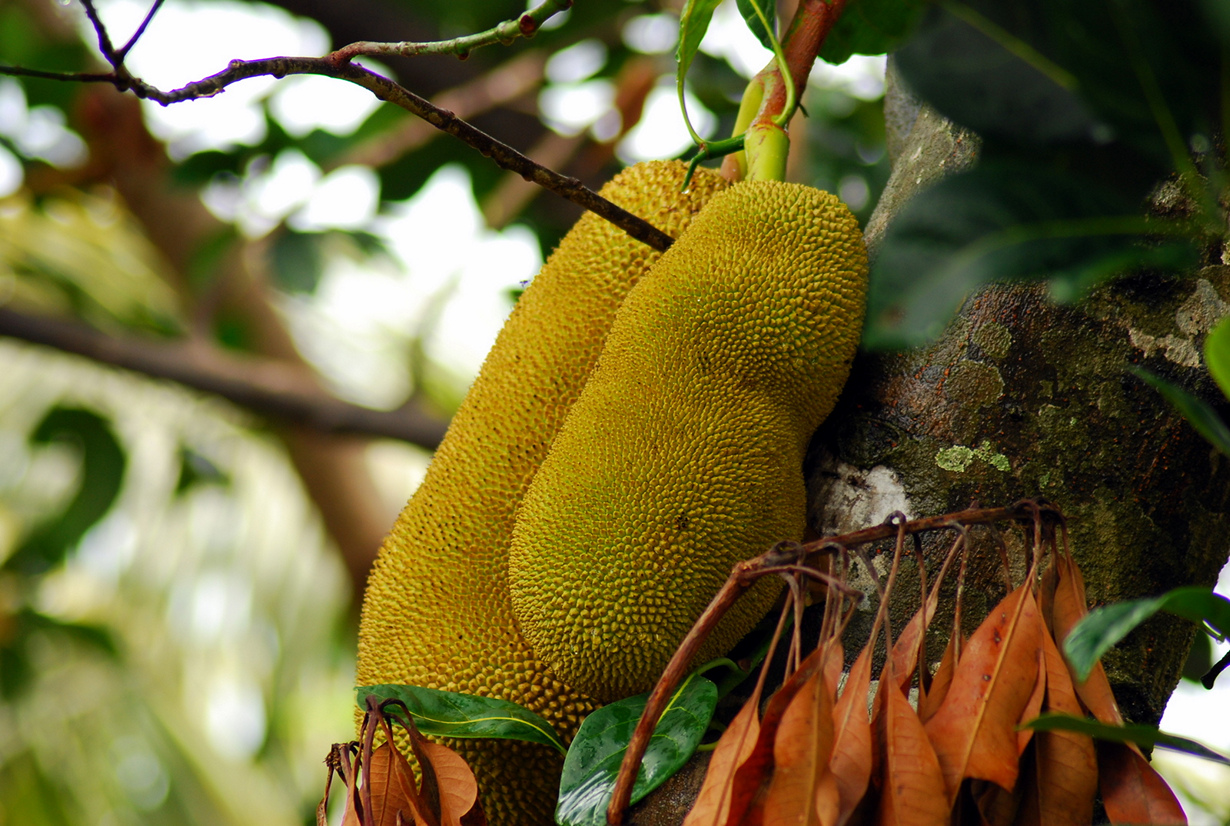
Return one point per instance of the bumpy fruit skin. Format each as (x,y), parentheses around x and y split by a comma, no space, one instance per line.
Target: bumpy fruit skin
(437,611)
(684,452)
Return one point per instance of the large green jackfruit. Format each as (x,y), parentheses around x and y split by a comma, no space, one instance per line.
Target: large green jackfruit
(437,611)
(684,452)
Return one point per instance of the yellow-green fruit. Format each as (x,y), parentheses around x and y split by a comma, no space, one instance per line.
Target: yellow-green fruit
(684,452)
(437,611)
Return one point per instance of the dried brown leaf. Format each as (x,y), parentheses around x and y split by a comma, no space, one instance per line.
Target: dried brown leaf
(458,789)
(1132,791)
(712,807)
(912,791)
(391,781)
(930,703)
(1066,778)
(801,751)
(973,731)
(852,741)
(1034,707)
(1068,609)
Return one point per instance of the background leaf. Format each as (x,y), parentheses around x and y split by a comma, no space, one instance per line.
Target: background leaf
(592,764)
(693,23)
(1141,735)
(1217,354)
(748,8)
(871,27)
(999,222)
(1105,626)
(447,714)
(1197,412)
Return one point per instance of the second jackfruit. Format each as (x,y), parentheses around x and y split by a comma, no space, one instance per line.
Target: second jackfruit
(684,452)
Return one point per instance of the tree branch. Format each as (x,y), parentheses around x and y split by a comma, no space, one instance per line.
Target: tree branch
(261,385)
(527,25)
(387,90)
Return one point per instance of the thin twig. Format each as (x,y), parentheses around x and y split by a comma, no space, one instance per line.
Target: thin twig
(265,387)
(132,41)
(382,87)
(104,39)
(527,25)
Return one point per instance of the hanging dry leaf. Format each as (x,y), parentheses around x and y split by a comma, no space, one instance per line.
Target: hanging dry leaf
(912,791)
(996,806)
(391,782)
(1034,707)
(834,663)
(973,731)
(1066,778)
(906,648)
(852,741)
(801,751)
(712,807)
(458,788)
(930,703)
(1132,791)
(1068,609)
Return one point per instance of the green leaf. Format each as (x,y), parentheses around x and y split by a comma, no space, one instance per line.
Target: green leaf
(1103,627)
(1198,413)
(995,83)
(871,27)
(1141,735)
(755,13)
(693,23)
(446,714)
(1004,221)
(1133,68)
(1217,354)
(593,760)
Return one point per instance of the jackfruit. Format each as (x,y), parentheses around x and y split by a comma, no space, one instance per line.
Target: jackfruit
(437,611)
(684,452)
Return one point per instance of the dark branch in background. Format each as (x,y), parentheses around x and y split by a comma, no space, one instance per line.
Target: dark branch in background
(338,65)
(260,385)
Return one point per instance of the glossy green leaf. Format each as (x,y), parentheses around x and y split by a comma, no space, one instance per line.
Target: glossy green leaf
(1105,626)
(755,14)
(1004,221)
(1197,412)
(871,27)
(1217,354)
(1141,735)
(593,760)
(446,714)
(693,23)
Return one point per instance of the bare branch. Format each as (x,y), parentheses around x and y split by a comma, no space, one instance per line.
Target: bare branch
(527,25)
(132,41)
(387,90)
(264,386)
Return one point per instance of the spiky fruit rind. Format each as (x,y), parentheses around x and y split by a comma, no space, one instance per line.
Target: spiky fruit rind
(684,453)
(437,611)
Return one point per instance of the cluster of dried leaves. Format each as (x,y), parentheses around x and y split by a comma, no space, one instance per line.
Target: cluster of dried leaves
(381,789)
(937,748)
